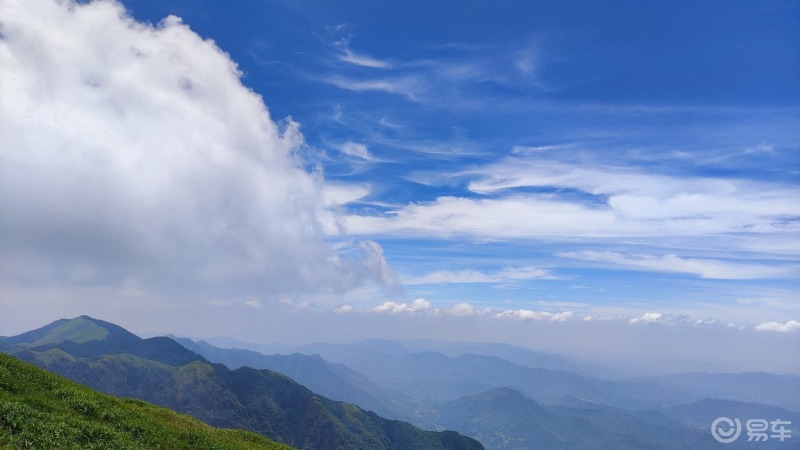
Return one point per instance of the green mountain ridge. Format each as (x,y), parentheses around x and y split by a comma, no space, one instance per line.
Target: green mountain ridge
(41,410)
(333,380)
(79,330)
(163,372)
(87,337)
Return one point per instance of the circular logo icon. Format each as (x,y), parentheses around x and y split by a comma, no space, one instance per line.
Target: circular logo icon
(726,430)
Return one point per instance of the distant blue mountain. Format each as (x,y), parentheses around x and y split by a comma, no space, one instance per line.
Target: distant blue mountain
(753,387)
(701,413)
(503,418)
(491,399)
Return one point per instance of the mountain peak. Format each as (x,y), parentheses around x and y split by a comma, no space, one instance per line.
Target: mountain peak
(505,399)
(85,336)
(506,395)
(80,330)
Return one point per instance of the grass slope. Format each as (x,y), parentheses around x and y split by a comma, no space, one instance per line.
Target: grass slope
(41,410)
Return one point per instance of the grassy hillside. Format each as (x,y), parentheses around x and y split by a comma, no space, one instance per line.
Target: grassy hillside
(42,410)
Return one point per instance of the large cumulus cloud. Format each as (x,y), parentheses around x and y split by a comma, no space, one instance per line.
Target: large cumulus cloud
(134,152)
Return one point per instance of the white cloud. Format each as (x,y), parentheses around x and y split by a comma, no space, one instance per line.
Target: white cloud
(357,150)
(349,56)
(527,62)
(475,276)
(792,325)
(419,305)
(527,198)
(407,86)
(661,318)
(761,148)
(706,321)
(705,268)
(343,309)
(597,318)
(526,314)
(511,217)
(641,201)
(528,150)
(253,303)
(462,309)
(650,317)
(341,194)
(133,151)
(304,305)
(466,309)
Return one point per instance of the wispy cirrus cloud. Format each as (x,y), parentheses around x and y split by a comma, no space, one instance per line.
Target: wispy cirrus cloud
(349,56)
(526,198)
(530,150)
(705,268)
(511,274)
(637,194)
(409,86)
(444,79)
(337,194)
(357,150)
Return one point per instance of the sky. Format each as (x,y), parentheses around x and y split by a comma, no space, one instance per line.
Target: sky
(608,179)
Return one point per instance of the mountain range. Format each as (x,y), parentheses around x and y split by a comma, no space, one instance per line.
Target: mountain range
(384,394)
(439,376)
(159,370)
(512,405)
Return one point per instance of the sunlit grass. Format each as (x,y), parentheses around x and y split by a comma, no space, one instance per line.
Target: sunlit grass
(40,410)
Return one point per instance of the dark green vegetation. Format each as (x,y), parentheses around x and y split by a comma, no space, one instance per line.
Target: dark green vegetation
(159,370)
(41,410)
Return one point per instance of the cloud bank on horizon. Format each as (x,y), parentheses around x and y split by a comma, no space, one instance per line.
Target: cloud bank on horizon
(541,168)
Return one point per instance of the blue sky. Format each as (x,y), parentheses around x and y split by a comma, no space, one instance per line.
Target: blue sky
(630,162)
